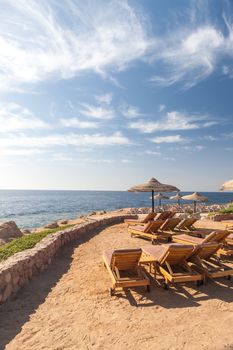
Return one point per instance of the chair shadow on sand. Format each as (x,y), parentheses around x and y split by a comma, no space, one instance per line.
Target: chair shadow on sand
(178,296)
(17,311)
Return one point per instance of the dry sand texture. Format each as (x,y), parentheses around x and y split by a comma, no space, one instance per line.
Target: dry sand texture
(68,307)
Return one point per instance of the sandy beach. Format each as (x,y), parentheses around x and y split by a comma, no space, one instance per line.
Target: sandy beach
(68,307)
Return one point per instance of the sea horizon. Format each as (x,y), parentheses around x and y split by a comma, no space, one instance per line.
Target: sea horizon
(35,208)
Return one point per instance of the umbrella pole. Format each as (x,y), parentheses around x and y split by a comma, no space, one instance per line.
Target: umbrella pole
(178,202)
(194,206)
(153,201)
(160,202)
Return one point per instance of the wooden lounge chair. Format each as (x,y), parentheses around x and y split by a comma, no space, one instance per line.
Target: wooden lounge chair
(215,236)
(186,224)
(149,231)
(229,239)
(165,215)
(124,269)
(204,261)
(170,224)
(141,220)
(170,261)
(219,236)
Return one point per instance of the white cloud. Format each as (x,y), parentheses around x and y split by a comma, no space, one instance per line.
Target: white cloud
(97,112)
(105,98)
(172,121)
(168,139)
(161,108)
(14,117)
(190,54)
(227,70)
(76,140)
(80,124)
(153,153)
(41,39)
(129,111)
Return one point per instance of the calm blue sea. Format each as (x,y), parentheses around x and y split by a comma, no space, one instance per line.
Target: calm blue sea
(30,208)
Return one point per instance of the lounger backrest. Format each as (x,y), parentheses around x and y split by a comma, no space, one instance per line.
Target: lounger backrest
(170,224)
(126,259)
(205,250)
(216,236)
(186,223)
(163,216)
(176,254)
(155,225)
(149,217)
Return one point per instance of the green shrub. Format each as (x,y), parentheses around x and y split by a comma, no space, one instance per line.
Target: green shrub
(228,210)
(26,242)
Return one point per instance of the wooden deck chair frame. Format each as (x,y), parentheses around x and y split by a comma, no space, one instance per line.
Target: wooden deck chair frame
(175,256)
(151,231)
(170,224)
(219,236)
(186,224)
(122,260)
(203,261)
(148,217)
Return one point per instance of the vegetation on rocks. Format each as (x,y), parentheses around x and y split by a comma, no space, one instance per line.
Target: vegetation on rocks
(227,210)
(26,242)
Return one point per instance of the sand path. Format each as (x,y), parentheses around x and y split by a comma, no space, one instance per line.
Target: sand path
(68,307)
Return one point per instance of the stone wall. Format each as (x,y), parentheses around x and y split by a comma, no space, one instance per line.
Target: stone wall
(18,269)
(221,217)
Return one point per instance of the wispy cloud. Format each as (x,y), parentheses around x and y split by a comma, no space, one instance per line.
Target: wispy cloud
(172,121)
(105,98)
(80,124)
(161,108)
(153,153)
(97,112)
(86,140)
(14,117)
(129,111)
(168,139)
(64,39)
(195,46)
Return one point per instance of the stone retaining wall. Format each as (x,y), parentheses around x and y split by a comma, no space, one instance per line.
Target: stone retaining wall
(18,269)
(222,217)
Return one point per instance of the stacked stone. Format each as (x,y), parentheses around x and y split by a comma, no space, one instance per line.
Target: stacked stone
(18,269)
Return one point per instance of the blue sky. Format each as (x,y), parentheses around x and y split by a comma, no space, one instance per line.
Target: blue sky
(106,94)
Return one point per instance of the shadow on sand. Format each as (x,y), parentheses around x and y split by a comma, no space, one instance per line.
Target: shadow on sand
(179,296)
(17,311)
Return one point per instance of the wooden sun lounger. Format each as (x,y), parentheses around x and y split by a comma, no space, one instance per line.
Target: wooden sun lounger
(141,220)
(125,271)
(170,261)
(186,224)
(229,239)
(219,236)
(149,231)
(170,224)
(204,261)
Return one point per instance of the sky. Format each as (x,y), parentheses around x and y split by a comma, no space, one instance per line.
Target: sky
(105,94)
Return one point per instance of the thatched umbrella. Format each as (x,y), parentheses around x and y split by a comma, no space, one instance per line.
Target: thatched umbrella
(227,186)
(195,197)
(160,196)
(153,186)
(177,197)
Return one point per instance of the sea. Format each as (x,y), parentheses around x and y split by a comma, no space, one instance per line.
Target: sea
(34,208)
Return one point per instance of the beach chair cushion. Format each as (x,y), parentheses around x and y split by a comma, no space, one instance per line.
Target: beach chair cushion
(143,219)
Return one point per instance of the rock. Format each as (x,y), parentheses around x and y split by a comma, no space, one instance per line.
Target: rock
(9,230)
(64,222)
(25,232)
(52,225)
(92,213)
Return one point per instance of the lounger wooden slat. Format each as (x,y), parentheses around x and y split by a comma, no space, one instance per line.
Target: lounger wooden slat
(219,236)
(204,261)
(141,220)
(150,231)
(186,224)
(126,261)
(172,257)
